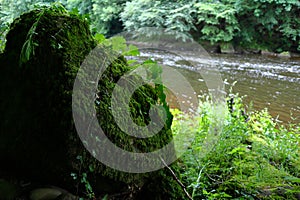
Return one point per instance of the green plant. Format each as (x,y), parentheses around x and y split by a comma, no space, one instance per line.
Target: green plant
(82,177)
(118,45)
(174,16)
(30,44)
(268,24)
(217,21)
(105,16)
(3,31)
(247,159)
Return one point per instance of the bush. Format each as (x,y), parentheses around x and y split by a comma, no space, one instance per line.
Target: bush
(250,157)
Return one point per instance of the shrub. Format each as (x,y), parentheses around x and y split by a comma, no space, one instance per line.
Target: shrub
(249,159)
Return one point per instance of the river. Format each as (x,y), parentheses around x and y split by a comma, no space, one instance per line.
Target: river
(266,82)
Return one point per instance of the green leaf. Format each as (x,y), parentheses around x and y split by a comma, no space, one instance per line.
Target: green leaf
(27,51)
(292,179)
(99,38)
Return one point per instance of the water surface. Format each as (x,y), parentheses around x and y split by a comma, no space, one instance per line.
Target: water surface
(266,82)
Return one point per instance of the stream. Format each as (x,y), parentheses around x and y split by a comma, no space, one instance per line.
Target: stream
(265,82)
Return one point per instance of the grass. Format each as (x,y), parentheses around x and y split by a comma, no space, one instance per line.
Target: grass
(237,156)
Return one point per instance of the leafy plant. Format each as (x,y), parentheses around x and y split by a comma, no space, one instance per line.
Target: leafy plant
(269,25)
(29,44)
(82,177)
(174,16)
(218,21)
(248,158)
(117,44)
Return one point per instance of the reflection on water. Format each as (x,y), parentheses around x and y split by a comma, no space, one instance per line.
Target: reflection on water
(267,82)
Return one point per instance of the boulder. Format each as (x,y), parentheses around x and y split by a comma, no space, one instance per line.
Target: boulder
(38,138)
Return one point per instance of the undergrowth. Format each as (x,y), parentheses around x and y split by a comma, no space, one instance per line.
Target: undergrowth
(242,156)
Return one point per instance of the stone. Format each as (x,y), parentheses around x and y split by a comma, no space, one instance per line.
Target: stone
(38,139)
(44,194)
(227,48)
(284,54)
(268,53)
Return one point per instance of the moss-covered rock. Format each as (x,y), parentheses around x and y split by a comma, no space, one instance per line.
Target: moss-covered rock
(36,123)
(38,140)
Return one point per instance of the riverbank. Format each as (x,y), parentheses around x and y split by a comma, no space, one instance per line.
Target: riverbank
(229,48)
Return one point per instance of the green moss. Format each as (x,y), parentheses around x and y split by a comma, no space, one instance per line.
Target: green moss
(38,136)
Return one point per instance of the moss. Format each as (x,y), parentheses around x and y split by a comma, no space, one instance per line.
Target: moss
(37,105)
(38,136)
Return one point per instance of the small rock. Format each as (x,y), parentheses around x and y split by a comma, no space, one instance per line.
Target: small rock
(45,194)
(284,54)
(227,48)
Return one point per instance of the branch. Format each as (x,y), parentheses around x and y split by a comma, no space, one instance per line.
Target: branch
(176,179)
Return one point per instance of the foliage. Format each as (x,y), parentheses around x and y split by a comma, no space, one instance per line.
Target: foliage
(103,15)
(82,177)
(263,24)
(117,44)
(252,157)
(217,21)
(270,24)
(10,10)
(174,16)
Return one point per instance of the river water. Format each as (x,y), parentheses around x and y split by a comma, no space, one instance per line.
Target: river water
(266,82)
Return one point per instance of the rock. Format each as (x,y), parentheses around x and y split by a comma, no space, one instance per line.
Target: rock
(51,193)
(268,53)
(227,48)
(45,194)
(37,133)
(284,54)
(38,137)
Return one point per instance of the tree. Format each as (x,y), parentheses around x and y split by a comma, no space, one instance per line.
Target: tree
(269,24)
(216,21)
(172,15)
(105,16)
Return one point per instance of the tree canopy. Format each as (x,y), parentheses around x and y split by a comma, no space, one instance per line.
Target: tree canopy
(272,25)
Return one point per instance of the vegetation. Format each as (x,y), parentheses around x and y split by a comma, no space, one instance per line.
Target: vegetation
(263,24)
(237,155)
(251,157)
